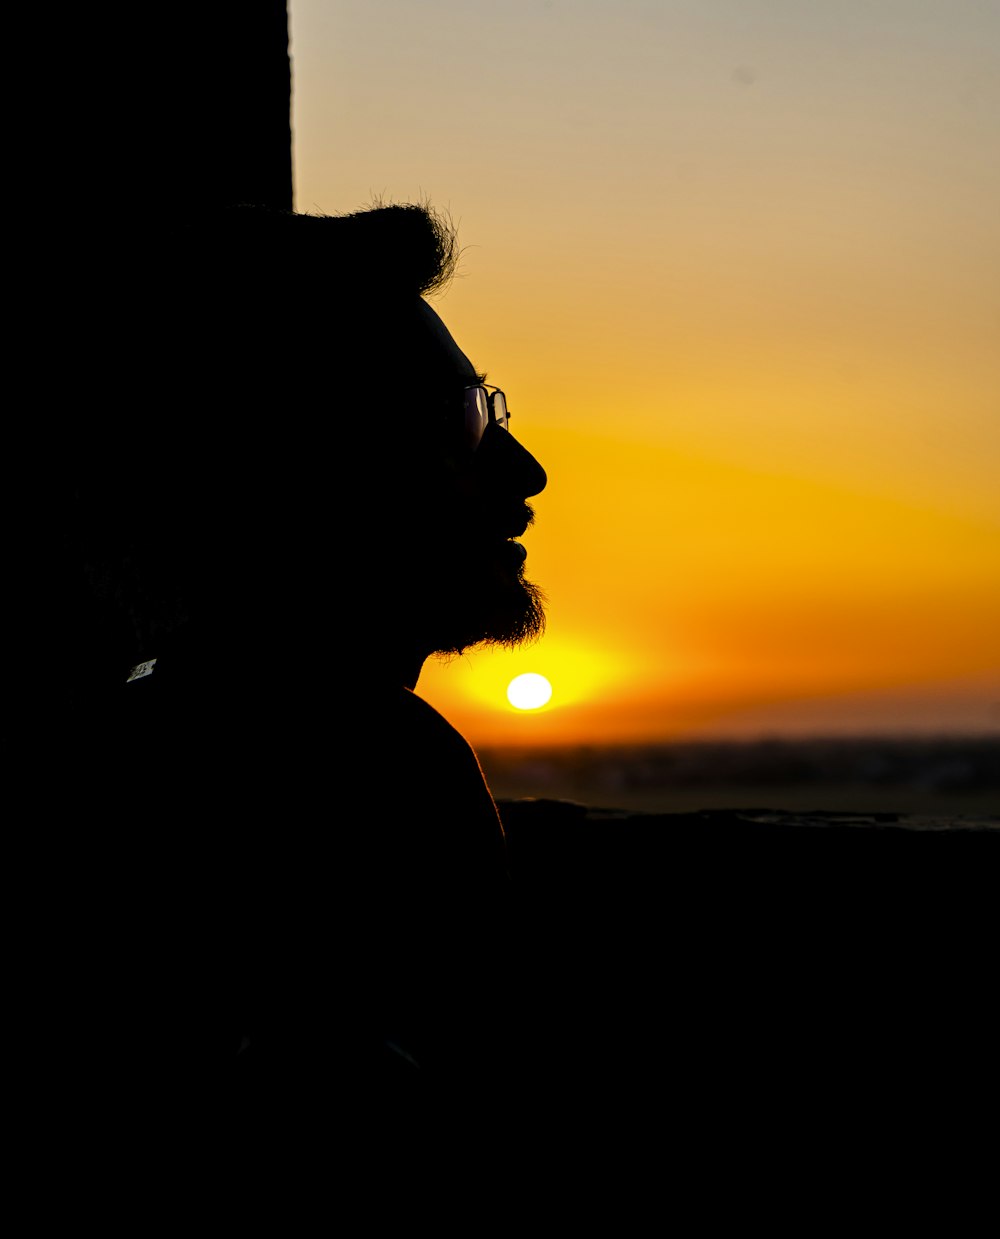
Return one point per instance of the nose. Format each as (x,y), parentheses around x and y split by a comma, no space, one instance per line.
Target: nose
(510,464)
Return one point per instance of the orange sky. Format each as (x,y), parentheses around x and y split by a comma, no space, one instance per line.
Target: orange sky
(737,265)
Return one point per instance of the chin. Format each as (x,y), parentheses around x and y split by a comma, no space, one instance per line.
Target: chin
(510,616)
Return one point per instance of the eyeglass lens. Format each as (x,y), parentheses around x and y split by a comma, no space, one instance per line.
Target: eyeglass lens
(476,414)
(478,406)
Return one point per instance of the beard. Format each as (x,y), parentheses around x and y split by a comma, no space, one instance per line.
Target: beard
(480,596)
(490,611)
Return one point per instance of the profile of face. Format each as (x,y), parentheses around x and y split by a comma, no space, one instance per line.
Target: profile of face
(458,571)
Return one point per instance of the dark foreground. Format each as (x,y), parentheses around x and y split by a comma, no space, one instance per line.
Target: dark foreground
(750,1013)
(789,992)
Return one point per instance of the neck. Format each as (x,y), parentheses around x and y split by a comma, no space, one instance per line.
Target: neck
(396,666)
(410,671)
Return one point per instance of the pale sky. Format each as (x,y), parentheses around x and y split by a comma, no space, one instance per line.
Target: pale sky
(737,265)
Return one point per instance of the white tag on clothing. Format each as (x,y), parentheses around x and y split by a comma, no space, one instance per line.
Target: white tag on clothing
(141,669)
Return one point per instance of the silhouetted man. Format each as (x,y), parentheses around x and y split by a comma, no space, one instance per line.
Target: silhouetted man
(298,489)
(412,507)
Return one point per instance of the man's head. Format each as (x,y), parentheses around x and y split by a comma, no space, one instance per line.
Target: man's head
(323,366)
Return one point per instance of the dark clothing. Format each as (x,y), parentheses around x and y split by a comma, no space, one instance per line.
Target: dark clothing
(330,895)
(387,1005)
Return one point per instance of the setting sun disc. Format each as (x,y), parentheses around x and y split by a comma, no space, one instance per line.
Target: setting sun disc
(529,691)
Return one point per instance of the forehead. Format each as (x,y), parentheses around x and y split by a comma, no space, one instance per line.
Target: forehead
(441,350)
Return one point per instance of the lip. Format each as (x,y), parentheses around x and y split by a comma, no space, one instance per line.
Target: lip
(517,549)
(503,531)
(517,531)
(511,553)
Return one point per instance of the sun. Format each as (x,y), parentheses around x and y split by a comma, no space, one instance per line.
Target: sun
(529,691)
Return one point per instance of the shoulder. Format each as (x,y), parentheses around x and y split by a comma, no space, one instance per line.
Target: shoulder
(419,718)
(429,742)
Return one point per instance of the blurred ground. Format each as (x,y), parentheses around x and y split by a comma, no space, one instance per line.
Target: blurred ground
(950,776)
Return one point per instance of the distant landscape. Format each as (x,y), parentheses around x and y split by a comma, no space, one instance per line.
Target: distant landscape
(942,775)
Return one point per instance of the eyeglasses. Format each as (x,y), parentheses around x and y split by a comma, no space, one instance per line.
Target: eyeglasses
(483,404)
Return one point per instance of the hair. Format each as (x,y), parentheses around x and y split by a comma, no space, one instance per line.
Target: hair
(395,249)
(251,260)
